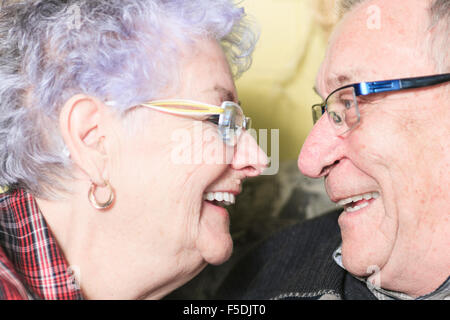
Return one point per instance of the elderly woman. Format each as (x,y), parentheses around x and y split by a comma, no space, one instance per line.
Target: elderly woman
(120,135)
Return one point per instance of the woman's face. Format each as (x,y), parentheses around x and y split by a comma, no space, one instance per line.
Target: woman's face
(163,167)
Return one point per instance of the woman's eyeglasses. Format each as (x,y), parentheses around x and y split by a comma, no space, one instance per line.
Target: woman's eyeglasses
(229,117)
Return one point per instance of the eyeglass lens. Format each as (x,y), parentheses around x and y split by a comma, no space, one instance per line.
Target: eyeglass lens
(231,122)
(342,109)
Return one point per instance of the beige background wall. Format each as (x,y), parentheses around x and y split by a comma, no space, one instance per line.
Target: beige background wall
(277,90)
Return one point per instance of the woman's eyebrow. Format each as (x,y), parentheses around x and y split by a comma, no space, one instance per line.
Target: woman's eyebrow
(225,94)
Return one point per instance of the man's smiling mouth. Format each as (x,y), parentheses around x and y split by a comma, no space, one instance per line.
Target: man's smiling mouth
(358,202)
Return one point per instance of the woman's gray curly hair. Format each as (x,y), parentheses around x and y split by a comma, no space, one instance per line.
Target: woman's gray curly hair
(53,49)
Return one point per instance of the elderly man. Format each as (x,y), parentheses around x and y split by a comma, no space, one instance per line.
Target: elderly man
(383,149)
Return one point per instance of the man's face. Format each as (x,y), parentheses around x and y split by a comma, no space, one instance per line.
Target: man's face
(399,151)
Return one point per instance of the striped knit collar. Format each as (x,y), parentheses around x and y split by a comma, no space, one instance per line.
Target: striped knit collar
(441,293)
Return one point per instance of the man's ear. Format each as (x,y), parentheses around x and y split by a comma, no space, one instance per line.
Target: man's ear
(83,121)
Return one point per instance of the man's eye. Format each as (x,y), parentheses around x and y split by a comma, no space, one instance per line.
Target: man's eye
(346,100)
(347,103)
(336,118)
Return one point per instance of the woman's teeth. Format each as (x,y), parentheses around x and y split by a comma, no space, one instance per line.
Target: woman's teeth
(225,197)
(348,202)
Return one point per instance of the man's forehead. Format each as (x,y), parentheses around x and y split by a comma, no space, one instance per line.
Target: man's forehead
(377,40)
(379,15)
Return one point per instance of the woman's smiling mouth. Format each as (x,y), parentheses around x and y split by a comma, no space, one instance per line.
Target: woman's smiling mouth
(220,198)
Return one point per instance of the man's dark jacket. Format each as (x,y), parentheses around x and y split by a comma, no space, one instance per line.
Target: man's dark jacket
(296,263)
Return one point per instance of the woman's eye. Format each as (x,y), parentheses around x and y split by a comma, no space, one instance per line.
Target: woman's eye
(213,119)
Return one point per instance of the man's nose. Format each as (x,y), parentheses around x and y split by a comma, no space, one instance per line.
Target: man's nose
(321,150)
(249,157)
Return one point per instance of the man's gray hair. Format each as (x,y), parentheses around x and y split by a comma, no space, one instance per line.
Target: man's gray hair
(439,24)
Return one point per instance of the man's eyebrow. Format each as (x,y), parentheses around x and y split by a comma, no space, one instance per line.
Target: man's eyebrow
(337,81)
(343,79)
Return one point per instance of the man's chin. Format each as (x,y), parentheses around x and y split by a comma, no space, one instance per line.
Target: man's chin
(355,267)
(361,260)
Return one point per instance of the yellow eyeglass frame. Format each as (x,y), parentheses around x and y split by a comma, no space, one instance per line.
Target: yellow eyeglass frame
(230,121)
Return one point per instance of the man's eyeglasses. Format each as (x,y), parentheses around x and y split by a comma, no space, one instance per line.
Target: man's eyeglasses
(342,104)
(229,117)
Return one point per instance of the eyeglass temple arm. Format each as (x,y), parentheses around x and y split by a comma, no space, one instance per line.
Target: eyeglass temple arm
(365,88)
(183,107)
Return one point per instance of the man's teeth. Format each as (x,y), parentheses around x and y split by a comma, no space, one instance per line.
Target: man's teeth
(226,197)
(356,208)
(367,196)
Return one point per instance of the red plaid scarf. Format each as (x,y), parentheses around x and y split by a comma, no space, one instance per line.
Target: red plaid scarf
(32,266)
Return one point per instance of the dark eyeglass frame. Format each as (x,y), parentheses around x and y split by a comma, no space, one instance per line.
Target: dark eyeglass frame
(367,88)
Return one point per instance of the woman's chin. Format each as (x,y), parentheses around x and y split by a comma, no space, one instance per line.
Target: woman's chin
(214,242)
(221,253)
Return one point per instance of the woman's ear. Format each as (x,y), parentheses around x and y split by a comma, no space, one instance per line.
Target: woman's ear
(84,122)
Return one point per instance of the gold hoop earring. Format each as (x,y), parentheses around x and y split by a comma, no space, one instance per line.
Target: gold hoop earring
(100,205)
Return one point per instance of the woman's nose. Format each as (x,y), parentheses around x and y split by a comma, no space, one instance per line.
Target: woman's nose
(322,149)
(249,156)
